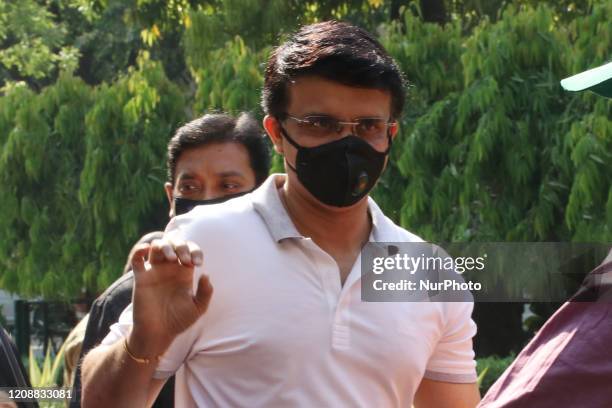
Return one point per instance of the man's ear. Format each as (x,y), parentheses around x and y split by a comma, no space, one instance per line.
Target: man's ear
(272,126)
(393,129)
(170,195)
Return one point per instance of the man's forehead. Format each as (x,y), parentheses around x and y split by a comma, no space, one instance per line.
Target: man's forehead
(223,156)
(318,95)
(192,174)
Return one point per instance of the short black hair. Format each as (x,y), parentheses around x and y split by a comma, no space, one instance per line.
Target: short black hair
(222,128)
(336,51)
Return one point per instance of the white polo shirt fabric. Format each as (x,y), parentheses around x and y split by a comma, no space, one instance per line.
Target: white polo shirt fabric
(281,330)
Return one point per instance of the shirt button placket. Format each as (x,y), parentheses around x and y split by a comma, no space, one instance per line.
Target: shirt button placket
(330,280)
(341,334)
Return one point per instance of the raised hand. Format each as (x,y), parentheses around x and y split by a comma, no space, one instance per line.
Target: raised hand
(164,303)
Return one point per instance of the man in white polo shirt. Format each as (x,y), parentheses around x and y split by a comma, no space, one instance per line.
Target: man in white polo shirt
(286,325)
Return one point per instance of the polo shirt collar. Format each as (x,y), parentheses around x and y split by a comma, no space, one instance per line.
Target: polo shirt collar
(268,204)
(379,222)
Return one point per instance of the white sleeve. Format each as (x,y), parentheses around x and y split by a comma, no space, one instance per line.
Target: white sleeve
(121,328)
(453,356)
(171,360)
(178,352)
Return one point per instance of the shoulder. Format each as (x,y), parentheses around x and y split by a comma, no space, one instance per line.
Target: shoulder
(119,293)
(387,230)
(125,283)
(224,220)
(239,206)
(403,234)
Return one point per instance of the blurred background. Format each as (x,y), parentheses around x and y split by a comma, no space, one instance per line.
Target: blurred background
(490,147)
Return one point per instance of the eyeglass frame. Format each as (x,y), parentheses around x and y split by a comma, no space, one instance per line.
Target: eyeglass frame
(342,124)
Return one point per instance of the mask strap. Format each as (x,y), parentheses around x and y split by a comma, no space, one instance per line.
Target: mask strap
(292,142)
(390,139)
(289,139)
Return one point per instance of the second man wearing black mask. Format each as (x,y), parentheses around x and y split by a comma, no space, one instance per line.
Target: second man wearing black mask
(210,160)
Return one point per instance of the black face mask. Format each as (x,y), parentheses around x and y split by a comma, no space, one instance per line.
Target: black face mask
(341,172)
(184,205)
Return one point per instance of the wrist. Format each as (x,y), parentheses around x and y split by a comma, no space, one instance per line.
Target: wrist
(146,347)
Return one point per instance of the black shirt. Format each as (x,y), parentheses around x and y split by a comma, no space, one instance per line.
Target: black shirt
(104,312)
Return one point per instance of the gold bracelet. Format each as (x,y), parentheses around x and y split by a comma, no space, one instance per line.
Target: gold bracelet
(133,357)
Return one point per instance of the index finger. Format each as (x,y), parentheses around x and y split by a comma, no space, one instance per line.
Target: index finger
(137,257)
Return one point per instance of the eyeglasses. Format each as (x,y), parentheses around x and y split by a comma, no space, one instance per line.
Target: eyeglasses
(372,130)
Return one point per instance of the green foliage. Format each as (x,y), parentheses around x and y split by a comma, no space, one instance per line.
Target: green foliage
(490,369)
(46,375)
(210,26)
(127,130)
(493,155)
(233,83)
(81,169)
(3,322)
(257,24)
(33,43)
(41,156)
(107,42)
